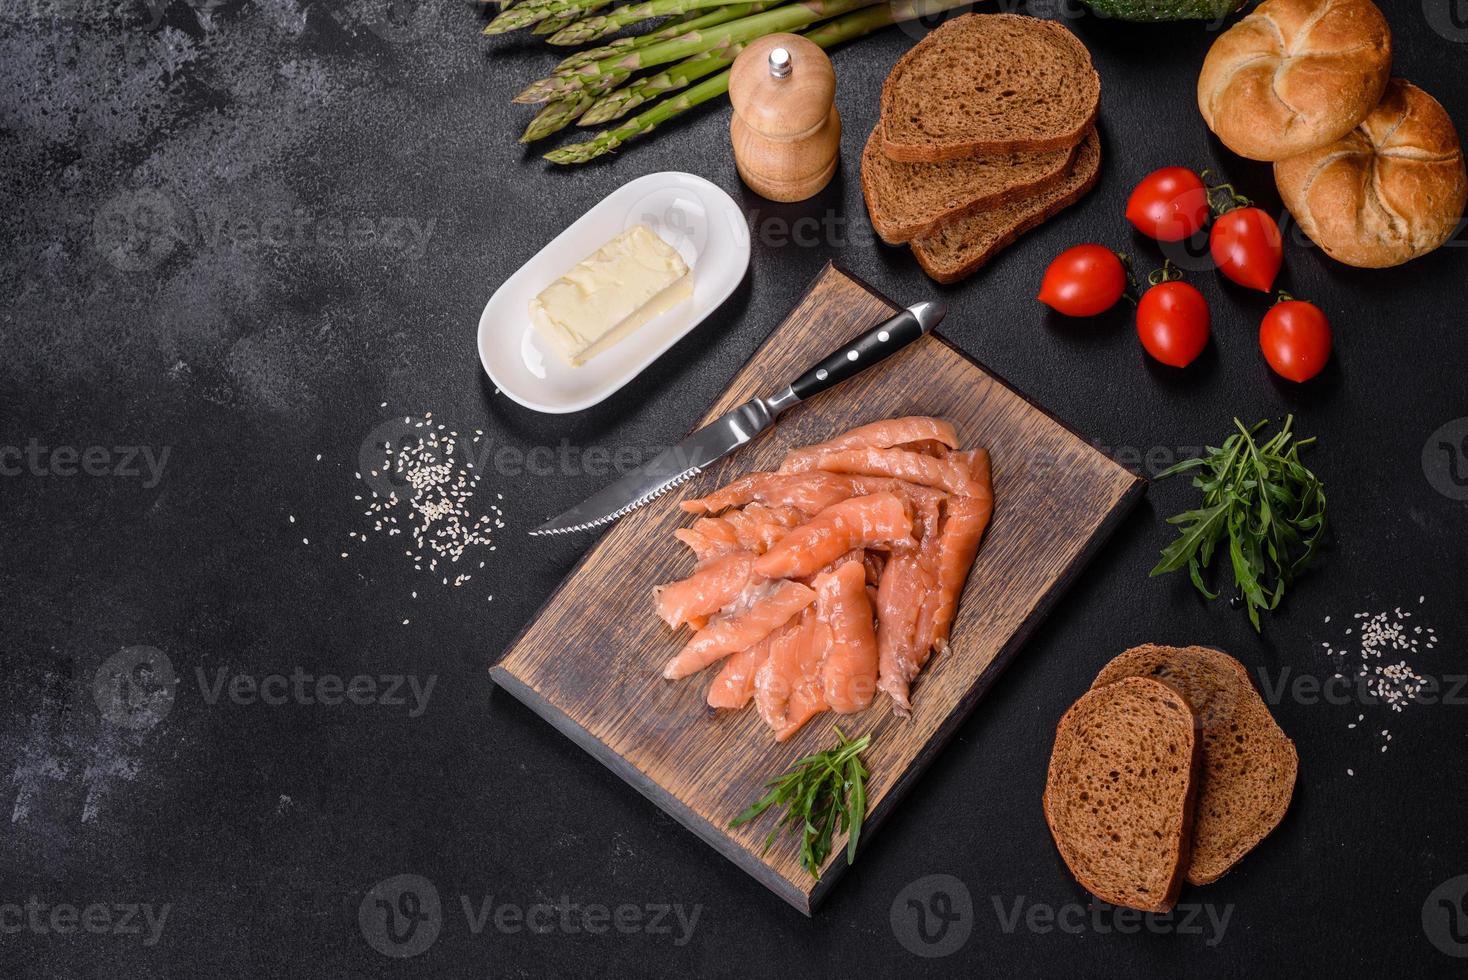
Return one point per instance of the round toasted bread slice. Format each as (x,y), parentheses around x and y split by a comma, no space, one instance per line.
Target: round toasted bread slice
(989,83)
(1119,795)
(1249,764)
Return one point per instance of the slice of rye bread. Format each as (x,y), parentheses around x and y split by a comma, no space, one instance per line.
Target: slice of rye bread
(1249,764)
(989,83)
(1120,792)
(910,200)
(960,248)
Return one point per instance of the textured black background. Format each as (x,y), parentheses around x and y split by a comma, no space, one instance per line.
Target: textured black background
(263,827)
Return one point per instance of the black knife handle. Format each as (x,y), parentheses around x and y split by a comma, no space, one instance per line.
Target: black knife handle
(877,344)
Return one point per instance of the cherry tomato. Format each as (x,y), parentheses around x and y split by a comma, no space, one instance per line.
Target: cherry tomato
(1246,245)
(1169,205)
(1083,281)
(1172,322)
(1295,339)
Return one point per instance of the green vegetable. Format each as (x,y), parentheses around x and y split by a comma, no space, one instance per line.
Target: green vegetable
(593,28)
(618,103)
(644,122)
(604,75)
(556,116)
(1154,10)
(1267,503)
(671,28)
(866,18)
(819,793)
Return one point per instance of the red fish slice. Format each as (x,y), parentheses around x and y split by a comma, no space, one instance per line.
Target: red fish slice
(901,595)
(740,631)
(947,474)
(876,435)
(849,670)
(734,684)
(706,591)
(857,522)
(963,531)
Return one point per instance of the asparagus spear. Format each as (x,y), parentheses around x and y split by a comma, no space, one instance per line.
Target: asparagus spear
(675,27)
(592,28)
(787,18)
(531,12)
(556,116)
(851,26)
(644,122)
(617,104)
(554,25)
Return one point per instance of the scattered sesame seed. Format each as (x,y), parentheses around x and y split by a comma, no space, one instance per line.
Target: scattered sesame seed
(1350,772)
(305,541)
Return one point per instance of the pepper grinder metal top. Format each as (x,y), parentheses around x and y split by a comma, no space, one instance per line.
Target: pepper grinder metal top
(785,131)
(780,63)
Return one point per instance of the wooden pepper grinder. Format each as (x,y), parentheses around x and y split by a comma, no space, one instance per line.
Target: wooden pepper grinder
(785,129)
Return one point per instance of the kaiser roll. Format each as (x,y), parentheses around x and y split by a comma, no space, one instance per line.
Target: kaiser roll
(1387,192)
(1295,75)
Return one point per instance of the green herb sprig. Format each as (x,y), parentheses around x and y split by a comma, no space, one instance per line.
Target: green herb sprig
(819,792)
(1268,504)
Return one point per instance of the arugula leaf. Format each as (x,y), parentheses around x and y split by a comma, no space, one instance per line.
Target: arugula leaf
(818,792)
(1268,505)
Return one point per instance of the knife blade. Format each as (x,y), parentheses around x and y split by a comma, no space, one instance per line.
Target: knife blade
(677,465)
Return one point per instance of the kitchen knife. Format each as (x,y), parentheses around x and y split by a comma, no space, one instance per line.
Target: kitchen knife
(681,463)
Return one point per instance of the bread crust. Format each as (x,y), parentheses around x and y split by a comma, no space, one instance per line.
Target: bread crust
(896,228)
(1182,835)
(1389,191)
(1229,711)
(1295,75)
(1088,164)
(898,146)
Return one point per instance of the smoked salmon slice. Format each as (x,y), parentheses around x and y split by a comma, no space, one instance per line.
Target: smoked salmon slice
(963,531)
(875,435)
(756,528)
(741,630)
(734,685)
(788,691)
(901,596)
(834,579)
(849,670)
(706,591)
(946,474)
(857,522)
(808,492)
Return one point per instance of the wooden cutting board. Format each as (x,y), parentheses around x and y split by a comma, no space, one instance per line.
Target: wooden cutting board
(590,662)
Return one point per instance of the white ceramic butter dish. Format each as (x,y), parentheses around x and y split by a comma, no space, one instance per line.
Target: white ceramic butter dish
(694,216)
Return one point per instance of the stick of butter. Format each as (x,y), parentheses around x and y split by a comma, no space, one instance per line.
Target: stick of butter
(610,294)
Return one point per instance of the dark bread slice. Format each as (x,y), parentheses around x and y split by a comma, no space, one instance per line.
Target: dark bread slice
(910,200)
(1119,796)
(1249,764)
(960,248)
(989,83)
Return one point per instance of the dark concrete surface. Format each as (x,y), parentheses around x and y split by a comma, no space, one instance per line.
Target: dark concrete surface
(233,231)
